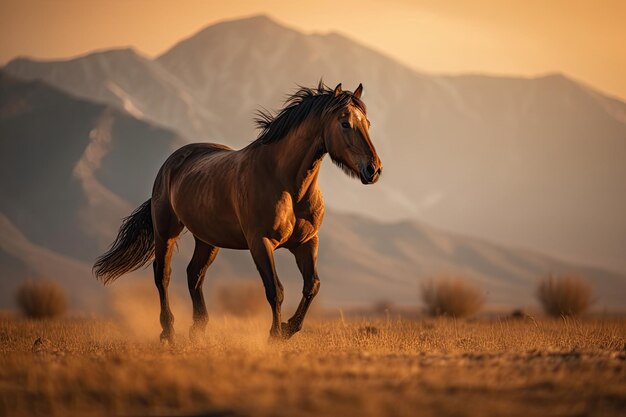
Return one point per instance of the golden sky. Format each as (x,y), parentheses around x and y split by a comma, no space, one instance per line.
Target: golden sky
(584,39)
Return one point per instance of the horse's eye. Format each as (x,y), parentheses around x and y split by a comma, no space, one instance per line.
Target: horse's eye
(345,125)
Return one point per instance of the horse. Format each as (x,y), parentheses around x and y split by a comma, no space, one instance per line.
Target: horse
(259,198)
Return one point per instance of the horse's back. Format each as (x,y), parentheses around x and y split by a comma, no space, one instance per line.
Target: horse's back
(191,152)
(180,160)
(201,187)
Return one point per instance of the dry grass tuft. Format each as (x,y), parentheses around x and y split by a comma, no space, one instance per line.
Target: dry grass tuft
(451,297)
(564,296)
(243,299)
(41,299)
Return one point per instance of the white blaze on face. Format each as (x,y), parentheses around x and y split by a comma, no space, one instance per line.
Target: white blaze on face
(358,114)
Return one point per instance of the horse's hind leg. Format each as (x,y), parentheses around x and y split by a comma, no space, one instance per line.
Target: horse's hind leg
(203,256)
(162,271)
(166,230)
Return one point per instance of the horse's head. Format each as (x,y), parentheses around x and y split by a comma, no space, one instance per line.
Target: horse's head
(347,139)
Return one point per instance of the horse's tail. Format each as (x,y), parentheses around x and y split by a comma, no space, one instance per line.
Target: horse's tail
(133,247)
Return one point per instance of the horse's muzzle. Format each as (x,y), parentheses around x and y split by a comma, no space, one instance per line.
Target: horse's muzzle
(371,173)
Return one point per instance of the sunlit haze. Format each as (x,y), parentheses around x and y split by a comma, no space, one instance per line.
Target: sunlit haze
(582,39)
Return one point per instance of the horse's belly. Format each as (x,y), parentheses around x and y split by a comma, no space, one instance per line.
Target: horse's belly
(218,231)
(212,220)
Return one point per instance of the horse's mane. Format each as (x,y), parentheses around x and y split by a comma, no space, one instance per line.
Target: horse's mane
(300,105)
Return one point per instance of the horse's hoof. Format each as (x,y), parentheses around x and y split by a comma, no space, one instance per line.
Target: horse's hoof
(285,331)
(167,338)
(276,337)
(289,330)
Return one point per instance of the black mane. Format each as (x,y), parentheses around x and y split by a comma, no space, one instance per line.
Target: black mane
(300,105)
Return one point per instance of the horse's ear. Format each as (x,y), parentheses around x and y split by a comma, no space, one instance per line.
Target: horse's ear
(358,91)
(338,90)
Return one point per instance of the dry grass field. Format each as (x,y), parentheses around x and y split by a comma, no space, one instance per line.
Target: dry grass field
(386,367)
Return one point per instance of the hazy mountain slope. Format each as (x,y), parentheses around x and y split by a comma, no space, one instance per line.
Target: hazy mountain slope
(20,259)
(126,80)
(60,157)
(546,170)
(394,259)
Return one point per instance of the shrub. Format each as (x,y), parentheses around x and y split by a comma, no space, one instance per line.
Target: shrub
(451,297)
(41,299)
(240,298)
(564,296)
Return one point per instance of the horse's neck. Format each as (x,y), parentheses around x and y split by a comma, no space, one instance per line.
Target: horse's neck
(297,159)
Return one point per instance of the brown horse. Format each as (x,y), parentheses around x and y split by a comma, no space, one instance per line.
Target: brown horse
(262,197)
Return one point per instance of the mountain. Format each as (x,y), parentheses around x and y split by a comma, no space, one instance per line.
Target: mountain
(236,66)
(532,162)
(393,259)
(71,169)
(60,159)
(124,79)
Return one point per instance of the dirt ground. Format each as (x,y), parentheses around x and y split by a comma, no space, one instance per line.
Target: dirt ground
(386,367)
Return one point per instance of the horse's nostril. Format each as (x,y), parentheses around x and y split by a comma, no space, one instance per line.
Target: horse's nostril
(371,170)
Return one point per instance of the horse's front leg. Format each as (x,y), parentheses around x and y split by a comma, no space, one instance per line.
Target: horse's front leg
(306,256)
(263,254)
